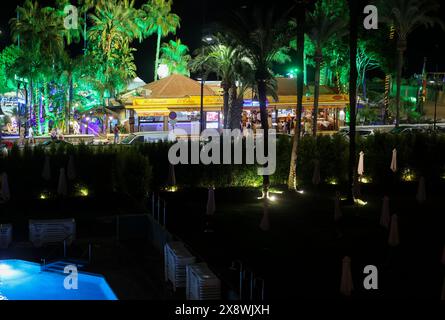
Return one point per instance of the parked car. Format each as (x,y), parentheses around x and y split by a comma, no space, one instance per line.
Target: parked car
(149,137)
(407,129)
(359,132)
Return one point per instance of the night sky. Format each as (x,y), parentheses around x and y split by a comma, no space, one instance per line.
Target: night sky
(421,43)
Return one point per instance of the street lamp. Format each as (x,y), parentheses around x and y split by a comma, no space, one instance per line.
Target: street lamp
(208,39)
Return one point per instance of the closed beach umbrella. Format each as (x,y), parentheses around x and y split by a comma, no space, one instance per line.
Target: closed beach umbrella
(346,285)
(394,161)
(337,210)
(5,194)
(171,176)
(361,164)
(265,222)
(316,174)
(46,173)
(385,216)
(71,169)
(421,191)
(211,202)
(393,239)
(62,188)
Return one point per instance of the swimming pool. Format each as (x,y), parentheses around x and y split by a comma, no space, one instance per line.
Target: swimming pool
(23,280)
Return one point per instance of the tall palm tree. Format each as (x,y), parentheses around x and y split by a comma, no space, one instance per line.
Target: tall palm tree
(158,18)
(301,24)
(407,16)
(322,28)
(354,6)
(264,37)
(175,55)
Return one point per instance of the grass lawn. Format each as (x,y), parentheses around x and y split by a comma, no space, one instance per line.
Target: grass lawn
(301,255)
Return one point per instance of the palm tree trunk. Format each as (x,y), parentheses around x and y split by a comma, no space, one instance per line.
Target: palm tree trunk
(364,84)
(401,50)
(68,107)
(226,104)
(158,49)
(353,75)
(301,81)
(265,126)
(386,101)
(316,96)
(234,115)
(46,106)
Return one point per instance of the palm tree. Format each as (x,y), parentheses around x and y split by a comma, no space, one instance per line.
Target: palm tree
(175,56)
(42,42)
(322,28)
(222,58)
(264,38)
(301,23)
(113,23)
(407,16)
(113,28)
(157,18)
(353,76)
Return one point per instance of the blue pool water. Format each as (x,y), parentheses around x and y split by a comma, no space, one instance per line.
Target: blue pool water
(22,280)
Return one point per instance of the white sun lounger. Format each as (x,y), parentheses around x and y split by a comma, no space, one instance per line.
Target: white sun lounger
(42,232)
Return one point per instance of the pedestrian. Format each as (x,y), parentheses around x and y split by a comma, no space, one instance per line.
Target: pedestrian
(31,139)
(116,134)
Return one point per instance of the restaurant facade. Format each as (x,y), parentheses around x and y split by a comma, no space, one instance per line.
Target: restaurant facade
(175,102)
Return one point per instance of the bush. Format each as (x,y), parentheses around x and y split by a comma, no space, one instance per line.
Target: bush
(138,169)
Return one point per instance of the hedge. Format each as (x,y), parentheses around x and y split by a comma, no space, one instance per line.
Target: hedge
(137,170)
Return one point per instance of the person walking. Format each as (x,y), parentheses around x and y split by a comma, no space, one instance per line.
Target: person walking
(116,134)
(31,139)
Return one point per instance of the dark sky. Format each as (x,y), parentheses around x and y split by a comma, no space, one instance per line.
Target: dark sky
(422,43)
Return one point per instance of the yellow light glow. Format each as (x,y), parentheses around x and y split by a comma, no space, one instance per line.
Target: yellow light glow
(365,180)
(408,176)
(84,192)
(360,202)
(300,191)
(171,189)
(333,181)
(43,196)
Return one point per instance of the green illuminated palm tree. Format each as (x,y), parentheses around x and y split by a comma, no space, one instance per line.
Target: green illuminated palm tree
(407,16)
(158,19)
(175,55)
(41,34)
(113,28)
(113,23)
(323,26)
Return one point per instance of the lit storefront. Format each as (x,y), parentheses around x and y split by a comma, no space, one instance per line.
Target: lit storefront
(179,95)
(151,109)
